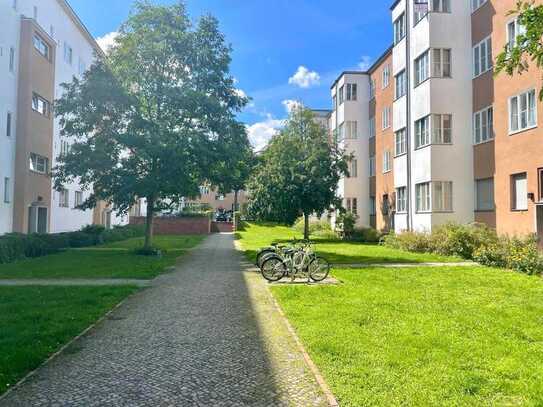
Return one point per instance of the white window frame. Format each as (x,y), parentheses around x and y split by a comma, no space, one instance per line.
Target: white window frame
(440,69)
(371,162)
(515,120)
(401,200)
(78,198)
(41,46)
(7,190)
(64,198)
(353,168)
(422,68)
(372,89)
(351,130)
(440,133)
(477,4)
(68,53)
(400,84)
(519,30)
(386,76)
(482,55)
(442,196)
(423,133)
(423,197)
(483,125)
(443,6)
(387,161)
(386,117)
(400,142)
(399,29)
(38,163)
(40,105)
(372,127)
(352,92)
(521,195)
(419,15)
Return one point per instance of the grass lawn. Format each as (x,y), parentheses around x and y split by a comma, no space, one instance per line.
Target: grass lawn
(256,236)
(36,321)
(92,263)
(424,336)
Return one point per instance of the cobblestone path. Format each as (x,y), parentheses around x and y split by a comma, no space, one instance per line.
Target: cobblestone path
(206,334)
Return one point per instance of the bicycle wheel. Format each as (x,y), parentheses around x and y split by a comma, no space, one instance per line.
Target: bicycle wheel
(262,254)
(319,268)
(273,268)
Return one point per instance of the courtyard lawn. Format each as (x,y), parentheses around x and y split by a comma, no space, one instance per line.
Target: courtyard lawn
(36,321)
(256,236)
(103,263)
(424,336)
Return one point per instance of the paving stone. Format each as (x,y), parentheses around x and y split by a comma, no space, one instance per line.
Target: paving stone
(206,334)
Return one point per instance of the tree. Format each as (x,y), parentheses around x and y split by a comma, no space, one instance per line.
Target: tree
(234,173)
(298,173)
(148,121)
(528,43)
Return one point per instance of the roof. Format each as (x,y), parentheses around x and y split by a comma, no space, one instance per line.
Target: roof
(86,33)
(347,73)
(383,56)
(394,4)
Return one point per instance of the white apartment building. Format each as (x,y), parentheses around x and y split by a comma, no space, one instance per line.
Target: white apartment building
(42,45)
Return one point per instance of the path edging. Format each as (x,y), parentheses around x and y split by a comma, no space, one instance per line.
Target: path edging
(330,398)
(66,345)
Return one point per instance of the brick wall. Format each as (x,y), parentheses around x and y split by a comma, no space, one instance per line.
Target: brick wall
(177,226)
(222,227)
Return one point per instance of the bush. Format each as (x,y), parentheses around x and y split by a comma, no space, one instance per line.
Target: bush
(238,223)
(345,225)
(418,242)
(148,252)
(452,239)
(316,226)
(366,235)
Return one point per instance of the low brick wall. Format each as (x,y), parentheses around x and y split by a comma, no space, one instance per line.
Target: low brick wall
(177,226)
(222,227)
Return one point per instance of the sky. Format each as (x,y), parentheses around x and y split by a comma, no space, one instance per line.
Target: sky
(284,51)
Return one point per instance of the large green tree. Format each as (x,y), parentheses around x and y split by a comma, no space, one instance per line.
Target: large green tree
(528,45)
(151,120)
(298,173)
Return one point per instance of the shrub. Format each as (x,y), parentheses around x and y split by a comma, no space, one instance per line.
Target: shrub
(345,225)
(523,255)
(366,235)
(452,239)
(418,242)
(148,252)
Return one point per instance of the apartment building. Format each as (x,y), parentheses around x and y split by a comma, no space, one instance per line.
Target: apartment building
(438,137)
(42,44)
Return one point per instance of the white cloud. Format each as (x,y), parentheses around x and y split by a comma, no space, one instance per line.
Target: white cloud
(304,78)
(240,93)
(291,105)
(261,133)
(365,63)
(107,41)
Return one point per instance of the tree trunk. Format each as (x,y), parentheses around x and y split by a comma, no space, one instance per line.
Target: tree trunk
(236,200)
(149,224)
(306,226)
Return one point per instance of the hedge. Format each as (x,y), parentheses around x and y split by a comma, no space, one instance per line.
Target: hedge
(15,246)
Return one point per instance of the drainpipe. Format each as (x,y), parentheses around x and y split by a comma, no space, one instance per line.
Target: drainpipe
(408,110)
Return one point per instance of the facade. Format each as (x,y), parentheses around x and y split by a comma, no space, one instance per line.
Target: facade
(435,136)
(210,198)
(42,44)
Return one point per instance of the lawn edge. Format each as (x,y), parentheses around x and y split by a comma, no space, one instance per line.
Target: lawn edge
(325,388)
(70,342)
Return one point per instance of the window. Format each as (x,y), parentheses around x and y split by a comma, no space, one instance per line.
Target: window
(522,112)
(372,127)
(484,194)
(482,57)
(400,142)
(64,198)
(351,130)
(540,182)
(68,53)
(340,135)
(441,63)
(401,84)
(422,132)
(421,69)
(334,102)
(399,29)
(420,10)
(37,163)
(483,125)
(12,60)
(352,205)
(78,199)
(514,29)
(386,117)
(386,76)
(387,162)
(372,88)
(519,192)
(7,192)
(441,128)
(475,4)
(8,124)
(373,206)
(401,199)
(40,105)
(372,166)
(441,6)
(442,193)
(423,197)
(41,46)
(64,148)
(353,168)
(352,91)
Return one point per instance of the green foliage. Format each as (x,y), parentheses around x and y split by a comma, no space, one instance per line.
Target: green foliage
(156,118)
(316,226)
(528,45)
(366,235)
(345,224)
(15,247)
(473,242)
(148,251)
(239,224)
(298,172)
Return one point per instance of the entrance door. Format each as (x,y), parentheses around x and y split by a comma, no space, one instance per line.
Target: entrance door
(37,219)
(539,224)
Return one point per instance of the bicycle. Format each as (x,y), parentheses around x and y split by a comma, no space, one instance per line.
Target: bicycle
(292,261)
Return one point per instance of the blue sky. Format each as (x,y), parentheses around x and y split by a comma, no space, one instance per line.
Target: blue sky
(271,40)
